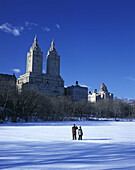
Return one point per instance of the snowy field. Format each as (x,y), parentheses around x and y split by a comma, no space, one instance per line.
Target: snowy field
(105,145)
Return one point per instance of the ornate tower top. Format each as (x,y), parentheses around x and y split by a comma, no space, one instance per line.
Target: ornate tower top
(52,48)
(35,44)
(103,88)
(53,61)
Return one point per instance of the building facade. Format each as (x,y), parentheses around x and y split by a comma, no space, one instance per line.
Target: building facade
(51,82)
(103,94)
(77,92)
(8,78)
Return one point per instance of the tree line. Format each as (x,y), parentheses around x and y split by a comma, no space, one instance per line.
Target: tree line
(32,105)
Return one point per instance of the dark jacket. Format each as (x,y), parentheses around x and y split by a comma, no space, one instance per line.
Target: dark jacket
(74,128)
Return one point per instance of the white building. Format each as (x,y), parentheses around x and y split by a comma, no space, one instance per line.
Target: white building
(103,94)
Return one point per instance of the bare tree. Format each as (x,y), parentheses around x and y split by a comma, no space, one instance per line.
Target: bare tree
(28,103)
(6,93)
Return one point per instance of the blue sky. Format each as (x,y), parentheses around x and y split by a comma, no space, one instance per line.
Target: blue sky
(95,39)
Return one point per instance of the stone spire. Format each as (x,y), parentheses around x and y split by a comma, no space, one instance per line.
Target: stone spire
(103,88)
(52,46)
(35,44)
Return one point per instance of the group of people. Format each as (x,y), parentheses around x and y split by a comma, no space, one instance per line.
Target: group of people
(80,132)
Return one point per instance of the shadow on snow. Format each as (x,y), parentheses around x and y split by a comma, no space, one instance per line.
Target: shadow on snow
(70,154)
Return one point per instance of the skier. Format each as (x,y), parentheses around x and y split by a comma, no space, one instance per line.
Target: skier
(80,133)
(74,128)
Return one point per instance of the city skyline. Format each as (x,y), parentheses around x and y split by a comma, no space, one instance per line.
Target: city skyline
(95,40)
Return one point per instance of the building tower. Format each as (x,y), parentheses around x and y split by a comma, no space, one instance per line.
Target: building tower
(35,59)
(53,61)
(103,88)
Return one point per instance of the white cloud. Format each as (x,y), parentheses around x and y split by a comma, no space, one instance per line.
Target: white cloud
(16,30)
(16,70)
(58,26)
(28,24)
(46,29)
(130,78)
(10,29)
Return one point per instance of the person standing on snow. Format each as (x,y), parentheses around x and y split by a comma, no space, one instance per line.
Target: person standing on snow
(80,133)
(74,128)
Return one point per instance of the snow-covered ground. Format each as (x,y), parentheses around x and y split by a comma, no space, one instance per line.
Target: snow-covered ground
(105,145)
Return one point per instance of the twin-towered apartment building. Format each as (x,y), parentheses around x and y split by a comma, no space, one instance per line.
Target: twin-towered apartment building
(51,82)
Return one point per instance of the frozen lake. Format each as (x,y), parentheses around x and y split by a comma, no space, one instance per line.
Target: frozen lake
(105,145)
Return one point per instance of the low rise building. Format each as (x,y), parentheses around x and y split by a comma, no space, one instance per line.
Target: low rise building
(77,92)
(8,78)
